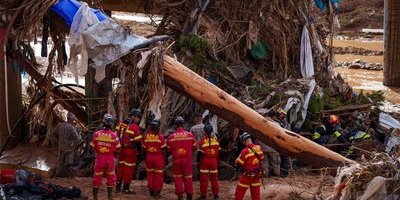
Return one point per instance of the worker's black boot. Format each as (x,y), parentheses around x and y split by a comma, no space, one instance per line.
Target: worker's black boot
(118,186)
(151,193)
(109,191)
(126,189)
(157,195)
(189,197)
(95,192)
(216,197)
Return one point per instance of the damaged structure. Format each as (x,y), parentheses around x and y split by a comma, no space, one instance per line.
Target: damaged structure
(222,55)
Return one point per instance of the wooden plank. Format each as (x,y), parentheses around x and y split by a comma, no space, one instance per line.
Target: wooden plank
(185,81)
(347,110)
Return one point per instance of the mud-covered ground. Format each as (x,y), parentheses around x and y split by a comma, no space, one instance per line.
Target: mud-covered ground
(294,187)
(39,159)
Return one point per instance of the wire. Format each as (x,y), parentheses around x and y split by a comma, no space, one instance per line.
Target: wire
(6,91)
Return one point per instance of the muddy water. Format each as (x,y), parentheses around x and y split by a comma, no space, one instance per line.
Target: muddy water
(371,45)
(33,157)
(352,57)
(366,80)
(369,80)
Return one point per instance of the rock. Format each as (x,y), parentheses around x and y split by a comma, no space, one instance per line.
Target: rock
(357,61)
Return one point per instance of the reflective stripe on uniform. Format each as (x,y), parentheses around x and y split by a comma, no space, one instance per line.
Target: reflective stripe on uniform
(252,154)
(180,139)
(177,175)
(130,132)
(148,140)
(98,173)
(155,170)
(243,185)
(190,176)
(110,173)
(364,135)
(208,171)
(316,136)
(256,184)
(350,150)
(239,161)
(127,164)
(138,137)
(336,134)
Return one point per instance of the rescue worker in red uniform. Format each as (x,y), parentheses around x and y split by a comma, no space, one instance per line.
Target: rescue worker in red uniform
(181,143)
(131,140)
(154,145)
(250,160)
(105,143)
(208,157)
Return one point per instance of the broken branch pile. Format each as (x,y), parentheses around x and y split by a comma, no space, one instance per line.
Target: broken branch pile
(377,178)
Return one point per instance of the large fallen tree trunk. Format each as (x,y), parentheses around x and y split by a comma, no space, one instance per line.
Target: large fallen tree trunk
(183,80)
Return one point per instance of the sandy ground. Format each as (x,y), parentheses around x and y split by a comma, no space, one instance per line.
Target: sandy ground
(39,159)
(296,187)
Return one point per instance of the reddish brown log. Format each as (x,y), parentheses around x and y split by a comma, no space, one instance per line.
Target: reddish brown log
(183,80)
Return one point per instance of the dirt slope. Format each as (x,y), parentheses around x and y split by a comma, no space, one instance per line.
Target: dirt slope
(357,14)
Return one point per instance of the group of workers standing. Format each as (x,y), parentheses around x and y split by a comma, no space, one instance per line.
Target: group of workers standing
(186,148)
(181,144)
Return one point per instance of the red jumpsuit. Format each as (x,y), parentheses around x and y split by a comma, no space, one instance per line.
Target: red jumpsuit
(252,172)
(181,144)
(209,165)
(130,135)
(153,144)
(105,143)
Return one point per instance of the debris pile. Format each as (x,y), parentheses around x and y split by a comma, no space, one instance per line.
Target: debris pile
(377,178)
(356,51)
(359,64)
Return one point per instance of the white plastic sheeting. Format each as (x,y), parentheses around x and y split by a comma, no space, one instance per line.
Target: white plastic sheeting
(78,61)
(102,42)
(107,41)
(388,121)
(304,109)
(306,58)
(393,141)
(292,103)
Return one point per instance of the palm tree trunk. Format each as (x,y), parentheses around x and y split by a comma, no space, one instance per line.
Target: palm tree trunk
(392,43)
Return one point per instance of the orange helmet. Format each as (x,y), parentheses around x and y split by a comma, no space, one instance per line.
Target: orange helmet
(334,119)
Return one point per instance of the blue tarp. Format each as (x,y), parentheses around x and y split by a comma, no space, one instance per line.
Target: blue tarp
(322,4)
(68,8)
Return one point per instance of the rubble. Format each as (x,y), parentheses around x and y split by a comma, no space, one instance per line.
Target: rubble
(356,51)
(377,178)
(359,64)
